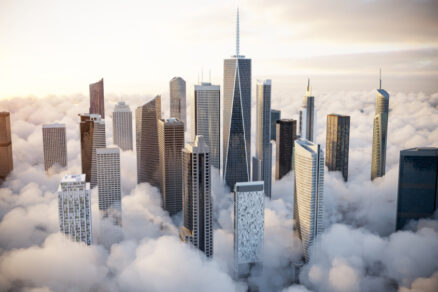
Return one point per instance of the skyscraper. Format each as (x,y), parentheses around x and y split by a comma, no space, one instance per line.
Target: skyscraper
(380,133)
(286,135)
(92,130)
(108,182)
(74,208)
(122,126)
(275,116)
(6,162)
(249,216)
(54,145)
(97,99)
(337,143)
(262,162)
(171,143)
(206,121)
(148,158)
(197,226)
(309,192)
(308,116)
(237,117)
(417,185)
(178,99)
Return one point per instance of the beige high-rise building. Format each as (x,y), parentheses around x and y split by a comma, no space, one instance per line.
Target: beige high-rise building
(122,126)
(171,143)
(97,99)
(178,99)
(54,145)
(148,159)
(197,226)
(92,132)
(337,143)
(6,162)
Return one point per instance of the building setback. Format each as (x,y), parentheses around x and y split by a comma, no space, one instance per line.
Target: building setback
(237,117)
(178,99)
(171,142)
(108,181)
(197,226)
(92,132)
(74,208)
(206,121)
(380,133)
(417,185)
(54,145)
(309,193)
(6,162)
(308,116)
(286,135)
(148,159)
(337,143)
(262,162)
(122,126)
(249,216)
(275,116)
(97,99)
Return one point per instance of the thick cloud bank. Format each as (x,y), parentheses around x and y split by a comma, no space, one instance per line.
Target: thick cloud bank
(358,251)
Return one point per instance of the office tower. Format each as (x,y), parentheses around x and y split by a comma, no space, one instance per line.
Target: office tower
(275,116)
(237,117)
(54,145)
(417,185)
(92,130)
(248,228)
(308,116)
(309,192)
(262,162)
(148,158)
(97,99)
(74,208)
(206,121)
(286,135)
(337,143)
(108,182)
(178,99)
(171,142)
(6,162)
(380,133)
(122,126)
(197,226)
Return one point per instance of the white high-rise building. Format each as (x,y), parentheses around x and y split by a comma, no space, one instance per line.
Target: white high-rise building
(249,218)
(74,208)
(206,118)
(309,192)
(197,226)
(109,185)
(308,115)
(54,145)
(122,126)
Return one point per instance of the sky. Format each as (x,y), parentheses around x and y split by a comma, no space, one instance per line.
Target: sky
(60,47)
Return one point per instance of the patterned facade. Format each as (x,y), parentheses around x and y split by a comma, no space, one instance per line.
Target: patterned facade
(97,99)
(178,99)
(197,226)
(286,136)
(337,143)
(248,228)
(122,126)
(74,208)
(54,145)
(206,108)
(6,160)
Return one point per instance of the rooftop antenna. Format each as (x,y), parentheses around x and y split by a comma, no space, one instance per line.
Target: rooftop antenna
(380,79)
(309,89)
(237,34)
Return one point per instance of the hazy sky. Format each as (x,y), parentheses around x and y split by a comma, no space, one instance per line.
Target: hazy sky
(59,47)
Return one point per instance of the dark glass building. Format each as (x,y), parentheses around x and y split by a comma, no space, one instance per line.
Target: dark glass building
(417,184)
(275,116)
(287,134)
(337,143)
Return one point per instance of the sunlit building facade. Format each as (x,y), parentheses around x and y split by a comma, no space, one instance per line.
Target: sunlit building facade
(275,116)
(6,160)
(308,116)
(97,99)
(337,143)
(54,145)
(122,126)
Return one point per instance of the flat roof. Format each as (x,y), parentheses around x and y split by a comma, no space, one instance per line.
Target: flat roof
(55,125)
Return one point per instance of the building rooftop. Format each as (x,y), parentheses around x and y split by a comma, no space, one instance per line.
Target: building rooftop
(308,145)
(56,125)
(73,178)
(122,107)
(249,186)
(264,82)
(111,150)
(285,121)
(338,115)
(383,92)
(420,151)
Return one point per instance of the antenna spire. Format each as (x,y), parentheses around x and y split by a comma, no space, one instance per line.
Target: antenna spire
(237,35)
(309,89)
(380,79)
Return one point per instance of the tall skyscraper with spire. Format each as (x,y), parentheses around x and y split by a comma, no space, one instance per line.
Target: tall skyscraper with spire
(380,132)
(237,117)
(308,116)
(262,162)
